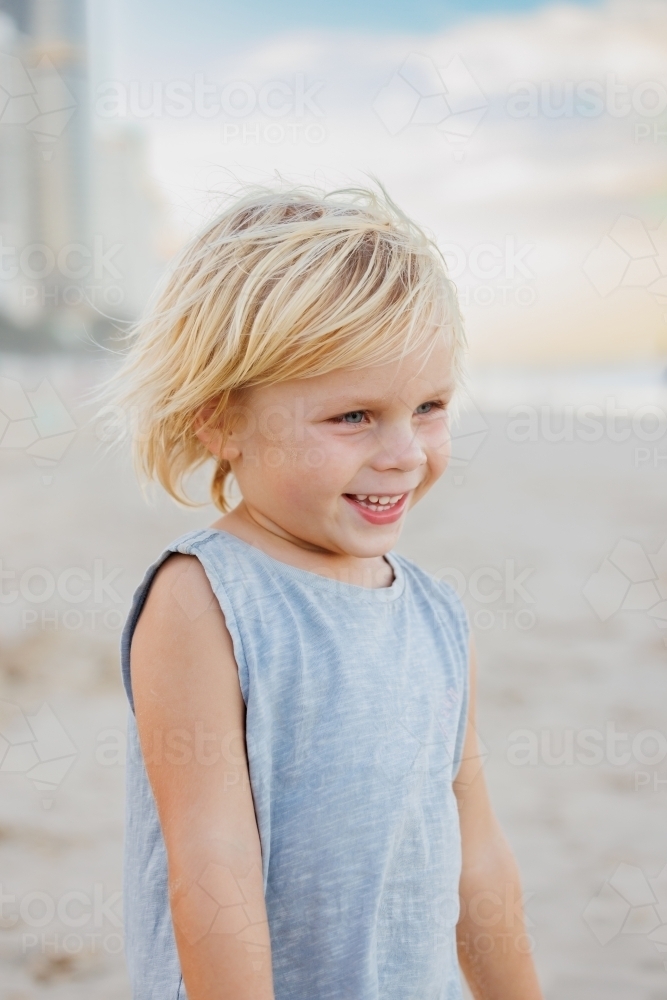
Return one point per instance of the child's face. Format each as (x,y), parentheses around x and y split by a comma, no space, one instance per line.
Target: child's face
(306,451)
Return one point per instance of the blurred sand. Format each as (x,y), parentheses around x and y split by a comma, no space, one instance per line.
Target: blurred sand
(556,509)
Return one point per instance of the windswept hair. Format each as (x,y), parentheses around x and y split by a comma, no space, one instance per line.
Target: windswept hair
(281,285)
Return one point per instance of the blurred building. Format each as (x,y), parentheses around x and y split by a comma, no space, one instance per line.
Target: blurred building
(79,217)
(130,243)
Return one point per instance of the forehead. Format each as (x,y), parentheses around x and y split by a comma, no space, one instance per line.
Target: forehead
(418,374)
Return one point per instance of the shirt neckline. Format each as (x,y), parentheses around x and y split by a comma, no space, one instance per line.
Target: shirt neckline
(339,587)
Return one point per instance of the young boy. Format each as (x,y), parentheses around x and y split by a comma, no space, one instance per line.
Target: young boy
(306,814)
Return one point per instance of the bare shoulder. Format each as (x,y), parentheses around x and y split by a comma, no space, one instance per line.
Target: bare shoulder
(182,656)
(179,595)
(181,611)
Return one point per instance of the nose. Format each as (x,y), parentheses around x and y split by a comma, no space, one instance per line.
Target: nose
(398,447)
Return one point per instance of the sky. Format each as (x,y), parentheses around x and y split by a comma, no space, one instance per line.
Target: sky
(203,29)
(534,189)
(259,18)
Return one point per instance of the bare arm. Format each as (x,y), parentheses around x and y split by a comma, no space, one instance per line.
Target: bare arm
(494,949)
(191,721)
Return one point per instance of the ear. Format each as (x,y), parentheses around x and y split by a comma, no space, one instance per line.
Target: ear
(212,438)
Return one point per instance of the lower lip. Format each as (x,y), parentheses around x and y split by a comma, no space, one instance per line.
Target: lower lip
(379,516)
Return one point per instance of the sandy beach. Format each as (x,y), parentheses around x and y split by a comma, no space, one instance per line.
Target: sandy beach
(558,548)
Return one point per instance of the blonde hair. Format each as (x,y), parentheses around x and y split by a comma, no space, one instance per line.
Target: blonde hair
(281,285)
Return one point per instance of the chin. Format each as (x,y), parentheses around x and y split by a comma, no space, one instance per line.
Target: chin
(367,548)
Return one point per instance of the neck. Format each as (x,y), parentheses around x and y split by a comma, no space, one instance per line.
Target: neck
(254,527)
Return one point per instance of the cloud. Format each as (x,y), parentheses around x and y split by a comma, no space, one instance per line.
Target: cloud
(554,49)
(558,179)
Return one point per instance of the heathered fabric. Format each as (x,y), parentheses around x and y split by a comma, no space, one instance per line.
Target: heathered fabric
(356,703)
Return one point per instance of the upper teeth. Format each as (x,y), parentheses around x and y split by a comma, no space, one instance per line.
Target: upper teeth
(376,499)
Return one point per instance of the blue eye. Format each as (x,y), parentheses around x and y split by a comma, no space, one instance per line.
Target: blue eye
(354,414)
(432,405)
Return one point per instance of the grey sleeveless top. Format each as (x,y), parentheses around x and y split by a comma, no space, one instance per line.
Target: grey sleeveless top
(356,705)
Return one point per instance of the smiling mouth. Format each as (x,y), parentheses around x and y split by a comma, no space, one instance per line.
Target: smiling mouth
(373,501)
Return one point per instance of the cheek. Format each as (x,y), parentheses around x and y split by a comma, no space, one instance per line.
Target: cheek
(297,473)
(437,440)
(444,456)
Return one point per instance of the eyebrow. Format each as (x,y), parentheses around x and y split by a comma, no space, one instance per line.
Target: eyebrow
(368,403)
